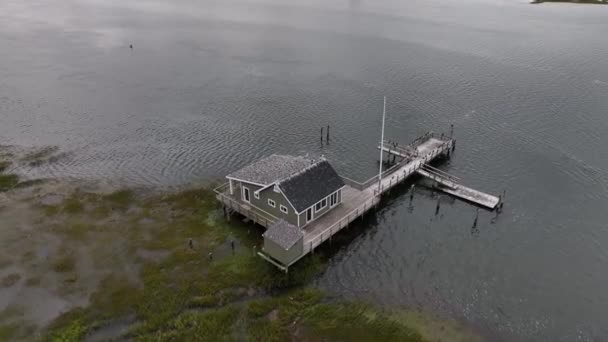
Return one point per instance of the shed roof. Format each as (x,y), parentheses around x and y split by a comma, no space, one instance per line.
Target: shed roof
(271,169)
(309,186)
(283,234)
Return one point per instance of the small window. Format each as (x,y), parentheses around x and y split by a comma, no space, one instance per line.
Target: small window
(271,203)
(283,209)
(256,195)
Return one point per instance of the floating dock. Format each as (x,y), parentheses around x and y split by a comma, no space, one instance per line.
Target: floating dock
(359,198)
(457,190)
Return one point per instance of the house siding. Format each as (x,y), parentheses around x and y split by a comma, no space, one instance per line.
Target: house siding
(278,198)
(282,255)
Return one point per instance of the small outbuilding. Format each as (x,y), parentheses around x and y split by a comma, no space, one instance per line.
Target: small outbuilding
(284,242)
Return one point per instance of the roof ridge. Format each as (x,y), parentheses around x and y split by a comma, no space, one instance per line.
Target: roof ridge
(306,169)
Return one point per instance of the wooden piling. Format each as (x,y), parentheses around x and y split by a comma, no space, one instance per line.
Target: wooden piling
(476,217)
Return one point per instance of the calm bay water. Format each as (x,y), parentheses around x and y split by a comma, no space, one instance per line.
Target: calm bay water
(213,85)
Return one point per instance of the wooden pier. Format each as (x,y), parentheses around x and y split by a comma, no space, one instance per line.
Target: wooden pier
(357,198)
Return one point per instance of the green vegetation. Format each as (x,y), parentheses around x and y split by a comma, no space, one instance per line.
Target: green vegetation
(73,205)
(120,199)
(7,182)
(64,263)
(39,157)
(4,165)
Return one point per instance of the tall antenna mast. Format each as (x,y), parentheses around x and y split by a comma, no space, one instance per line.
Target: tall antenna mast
(381,148)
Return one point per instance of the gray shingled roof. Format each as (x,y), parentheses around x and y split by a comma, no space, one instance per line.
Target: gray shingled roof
(283,234)
(271,169)
(309,186)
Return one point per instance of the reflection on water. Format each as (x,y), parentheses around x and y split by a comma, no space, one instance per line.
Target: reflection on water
(211,85)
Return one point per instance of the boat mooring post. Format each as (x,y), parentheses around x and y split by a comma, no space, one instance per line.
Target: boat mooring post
(327,138)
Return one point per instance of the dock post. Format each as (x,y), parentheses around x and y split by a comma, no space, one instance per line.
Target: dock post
(321,135)
(476,217)
(498,207)
(327,138)
(438,205)
(451,131)
(453,145)
(412,188)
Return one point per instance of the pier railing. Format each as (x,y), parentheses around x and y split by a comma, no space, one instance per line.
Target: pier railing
(246,210)
(343,222)
(410,169)
(362,186)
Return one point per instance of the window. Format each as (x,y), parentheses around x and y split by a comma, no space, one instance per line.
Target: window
(271,203)
(308,215)
(256,195)
(321,205)
(283,209)
(333,199)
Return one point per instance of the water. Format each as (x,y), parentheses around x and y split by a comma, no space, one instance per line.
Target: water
(212,85)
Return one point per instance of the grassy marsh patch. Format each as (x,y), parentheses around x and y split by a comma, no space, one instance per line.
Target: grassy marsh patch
(4,165)
(121,198)
(40,156)
(10,280)
(144,267)
(73,205)
(8,181)
(64,263)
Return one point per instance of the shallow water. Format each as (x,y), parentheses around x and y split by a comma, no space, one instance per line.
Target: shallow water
(211,85)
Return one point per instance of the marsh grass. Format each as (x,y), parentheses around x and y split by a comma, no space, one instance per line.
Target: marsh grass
(8,331)
(40,156)
(30,182)
(187,296)
(8,181)
(64,263)
(10,280)
(73,205)
(120,199)
(4,165)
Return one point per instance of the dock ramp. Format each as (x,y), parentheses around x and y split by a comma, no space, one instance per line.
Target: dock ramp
(449,185)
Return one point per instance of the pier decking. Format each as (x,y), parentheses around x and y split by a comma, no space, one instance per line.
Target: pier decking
(461,191)
(357,198)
